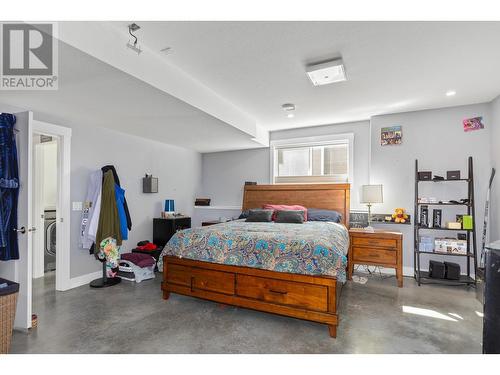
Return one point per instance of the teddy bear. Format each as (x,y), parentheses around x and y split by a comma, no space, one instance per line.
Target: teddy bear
(399,216)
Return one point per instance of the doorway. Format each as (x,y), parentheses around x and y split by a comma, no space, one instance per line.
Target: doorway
(45,193)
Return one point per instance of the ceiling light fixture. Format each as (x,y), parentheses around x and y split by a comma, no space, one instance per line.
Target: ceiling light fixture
(326,72)
(289,108)
(451,93)
(133,27)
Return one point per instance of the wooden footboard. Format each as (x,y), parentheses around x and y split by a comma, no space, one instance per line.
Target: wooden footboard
(305,297)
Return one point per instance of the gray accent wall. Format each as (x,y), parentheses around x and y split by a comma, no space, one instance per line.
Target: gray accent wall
(225,173)
(179,178)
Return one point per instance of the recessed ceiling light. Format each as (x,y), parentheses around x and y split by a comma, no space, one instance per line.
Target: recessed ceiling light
(450,93)
(326,72)
(290,115)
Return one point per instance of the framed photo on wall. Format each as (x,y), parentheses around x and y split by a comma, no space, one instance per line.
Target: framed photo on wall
(391,136)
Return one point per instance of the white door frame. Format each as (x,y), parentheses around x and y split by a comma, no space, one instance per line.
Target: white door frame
(63,209)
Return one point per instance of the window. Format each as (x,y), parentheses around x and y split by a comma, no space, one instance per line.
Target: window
(312,160)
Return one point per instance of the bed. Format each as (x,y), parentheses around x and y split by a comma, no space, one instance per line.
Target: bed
(287,269)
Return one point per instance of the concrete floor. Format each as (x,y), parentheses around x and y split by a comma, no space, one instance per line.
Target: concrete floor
(133,318)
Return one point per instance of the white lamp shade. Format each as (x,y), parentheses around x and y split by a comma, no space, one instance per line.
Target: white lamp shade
(372,194)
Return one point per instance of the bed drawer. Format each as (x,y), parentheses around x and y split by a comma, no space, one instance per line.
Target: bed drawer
(197,278)
(289,293)
(364,254)
(378,242)
(179,275)
(214,281)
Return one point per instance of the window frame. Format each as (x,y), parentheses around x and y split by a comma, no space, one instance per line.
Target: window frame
(321,140)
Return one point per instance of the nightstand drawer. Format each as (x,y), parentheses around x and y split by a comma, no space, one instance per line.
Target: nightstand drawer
(379,242)
(365,254)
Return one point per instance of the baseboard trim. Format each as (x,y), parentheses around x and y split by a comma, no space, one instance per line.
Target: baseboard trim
(407,271)
(75,282)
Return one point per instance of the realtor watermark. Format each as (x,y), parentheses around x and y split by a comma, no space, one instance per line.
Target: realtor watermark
(28,56)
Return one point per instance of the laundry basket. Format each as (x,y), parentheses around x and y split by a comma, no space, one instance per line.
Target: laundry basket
(8,299)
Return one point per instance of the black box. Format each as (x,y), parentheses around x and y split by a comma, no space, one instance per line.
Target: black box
(424,216)
(436,269)
(424,176)
(453,175)
(436,218)
(452,271)
(150,184)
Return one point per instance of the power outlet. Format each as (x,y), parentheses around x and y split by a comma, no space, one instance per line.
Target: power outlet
(77,206)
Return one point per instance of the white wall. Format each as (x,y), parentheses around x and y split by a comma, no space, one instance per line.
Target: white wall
(178,170)
(436,138)
(494,228)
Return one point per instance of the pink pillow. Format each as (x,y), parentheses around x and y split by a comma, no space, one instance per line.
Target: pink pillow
(281,207)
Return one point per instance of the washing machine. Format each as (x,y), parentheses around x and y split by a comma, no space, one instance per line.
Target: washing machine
(50,240)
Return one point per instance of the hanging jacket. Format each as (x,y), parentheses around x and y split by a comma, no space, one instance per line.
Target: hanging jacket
(109,222)
(91,210)
(9,188)
(117,181)
(120,198)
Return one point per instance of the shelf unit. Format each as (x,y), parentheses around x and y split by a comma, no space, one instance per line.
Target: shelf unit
(422,277)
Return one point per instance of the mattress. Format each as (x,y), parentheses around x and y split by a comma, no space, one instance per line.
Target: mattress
(311,248)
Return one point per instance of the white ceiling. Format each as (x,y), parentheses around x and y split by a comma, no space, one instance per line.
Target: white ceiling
(92,92)
(391,66)
(223,84)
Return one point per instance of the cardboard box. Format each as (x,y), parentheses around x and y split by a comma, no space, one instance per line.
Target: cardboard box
(450,246)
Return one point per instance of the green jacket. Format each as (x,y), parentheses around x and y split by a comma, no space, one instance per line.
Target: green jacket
(109,222)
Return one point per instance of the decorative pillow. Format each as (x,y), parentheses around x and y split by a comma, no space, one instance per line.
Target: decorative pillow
(257,216)
(318,214)
(290,216)
(282,207)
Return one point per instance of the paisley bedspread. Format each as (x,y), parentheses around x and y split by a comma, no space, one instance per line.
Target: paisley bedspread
(311,248)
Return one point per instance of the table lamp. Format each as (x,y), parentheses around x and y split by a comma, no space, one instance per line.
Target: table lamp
(371,194)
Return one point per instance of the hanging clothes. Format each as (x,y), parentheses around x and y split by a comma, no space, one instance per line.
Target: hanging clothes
(117,181)
(109,222)
(91,210)
(120,199)
(9,188)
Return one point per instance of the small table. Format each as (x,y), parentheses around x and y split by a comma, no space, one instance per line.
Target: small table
(376,248)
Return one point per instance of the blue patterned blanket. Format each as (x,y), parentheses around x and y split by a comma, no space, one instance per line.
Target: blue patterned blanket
(312,248)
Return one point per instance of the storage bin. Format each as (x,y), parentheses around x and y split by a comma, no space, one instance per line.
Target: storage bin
(8,302)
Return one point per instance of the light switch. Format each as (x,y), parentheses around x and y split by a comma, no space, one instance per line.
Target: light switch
(77,206)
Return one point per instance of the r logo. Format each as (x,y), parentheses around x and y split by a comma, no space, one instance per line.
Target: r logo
(27,49)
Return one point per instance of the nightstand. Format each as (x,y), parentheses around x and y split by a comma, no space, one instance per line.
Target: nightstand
(376,248)
(164,229)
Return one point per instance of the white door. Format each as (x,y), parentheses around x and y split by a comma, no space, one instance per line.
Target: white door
(20,270)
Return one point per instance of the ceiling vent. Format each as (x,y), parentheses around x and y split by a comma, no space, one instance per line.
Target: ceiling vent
(327,72)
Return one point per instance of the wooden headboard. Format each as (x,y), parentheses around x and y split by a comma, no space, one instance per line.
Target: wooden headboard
(327,196)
